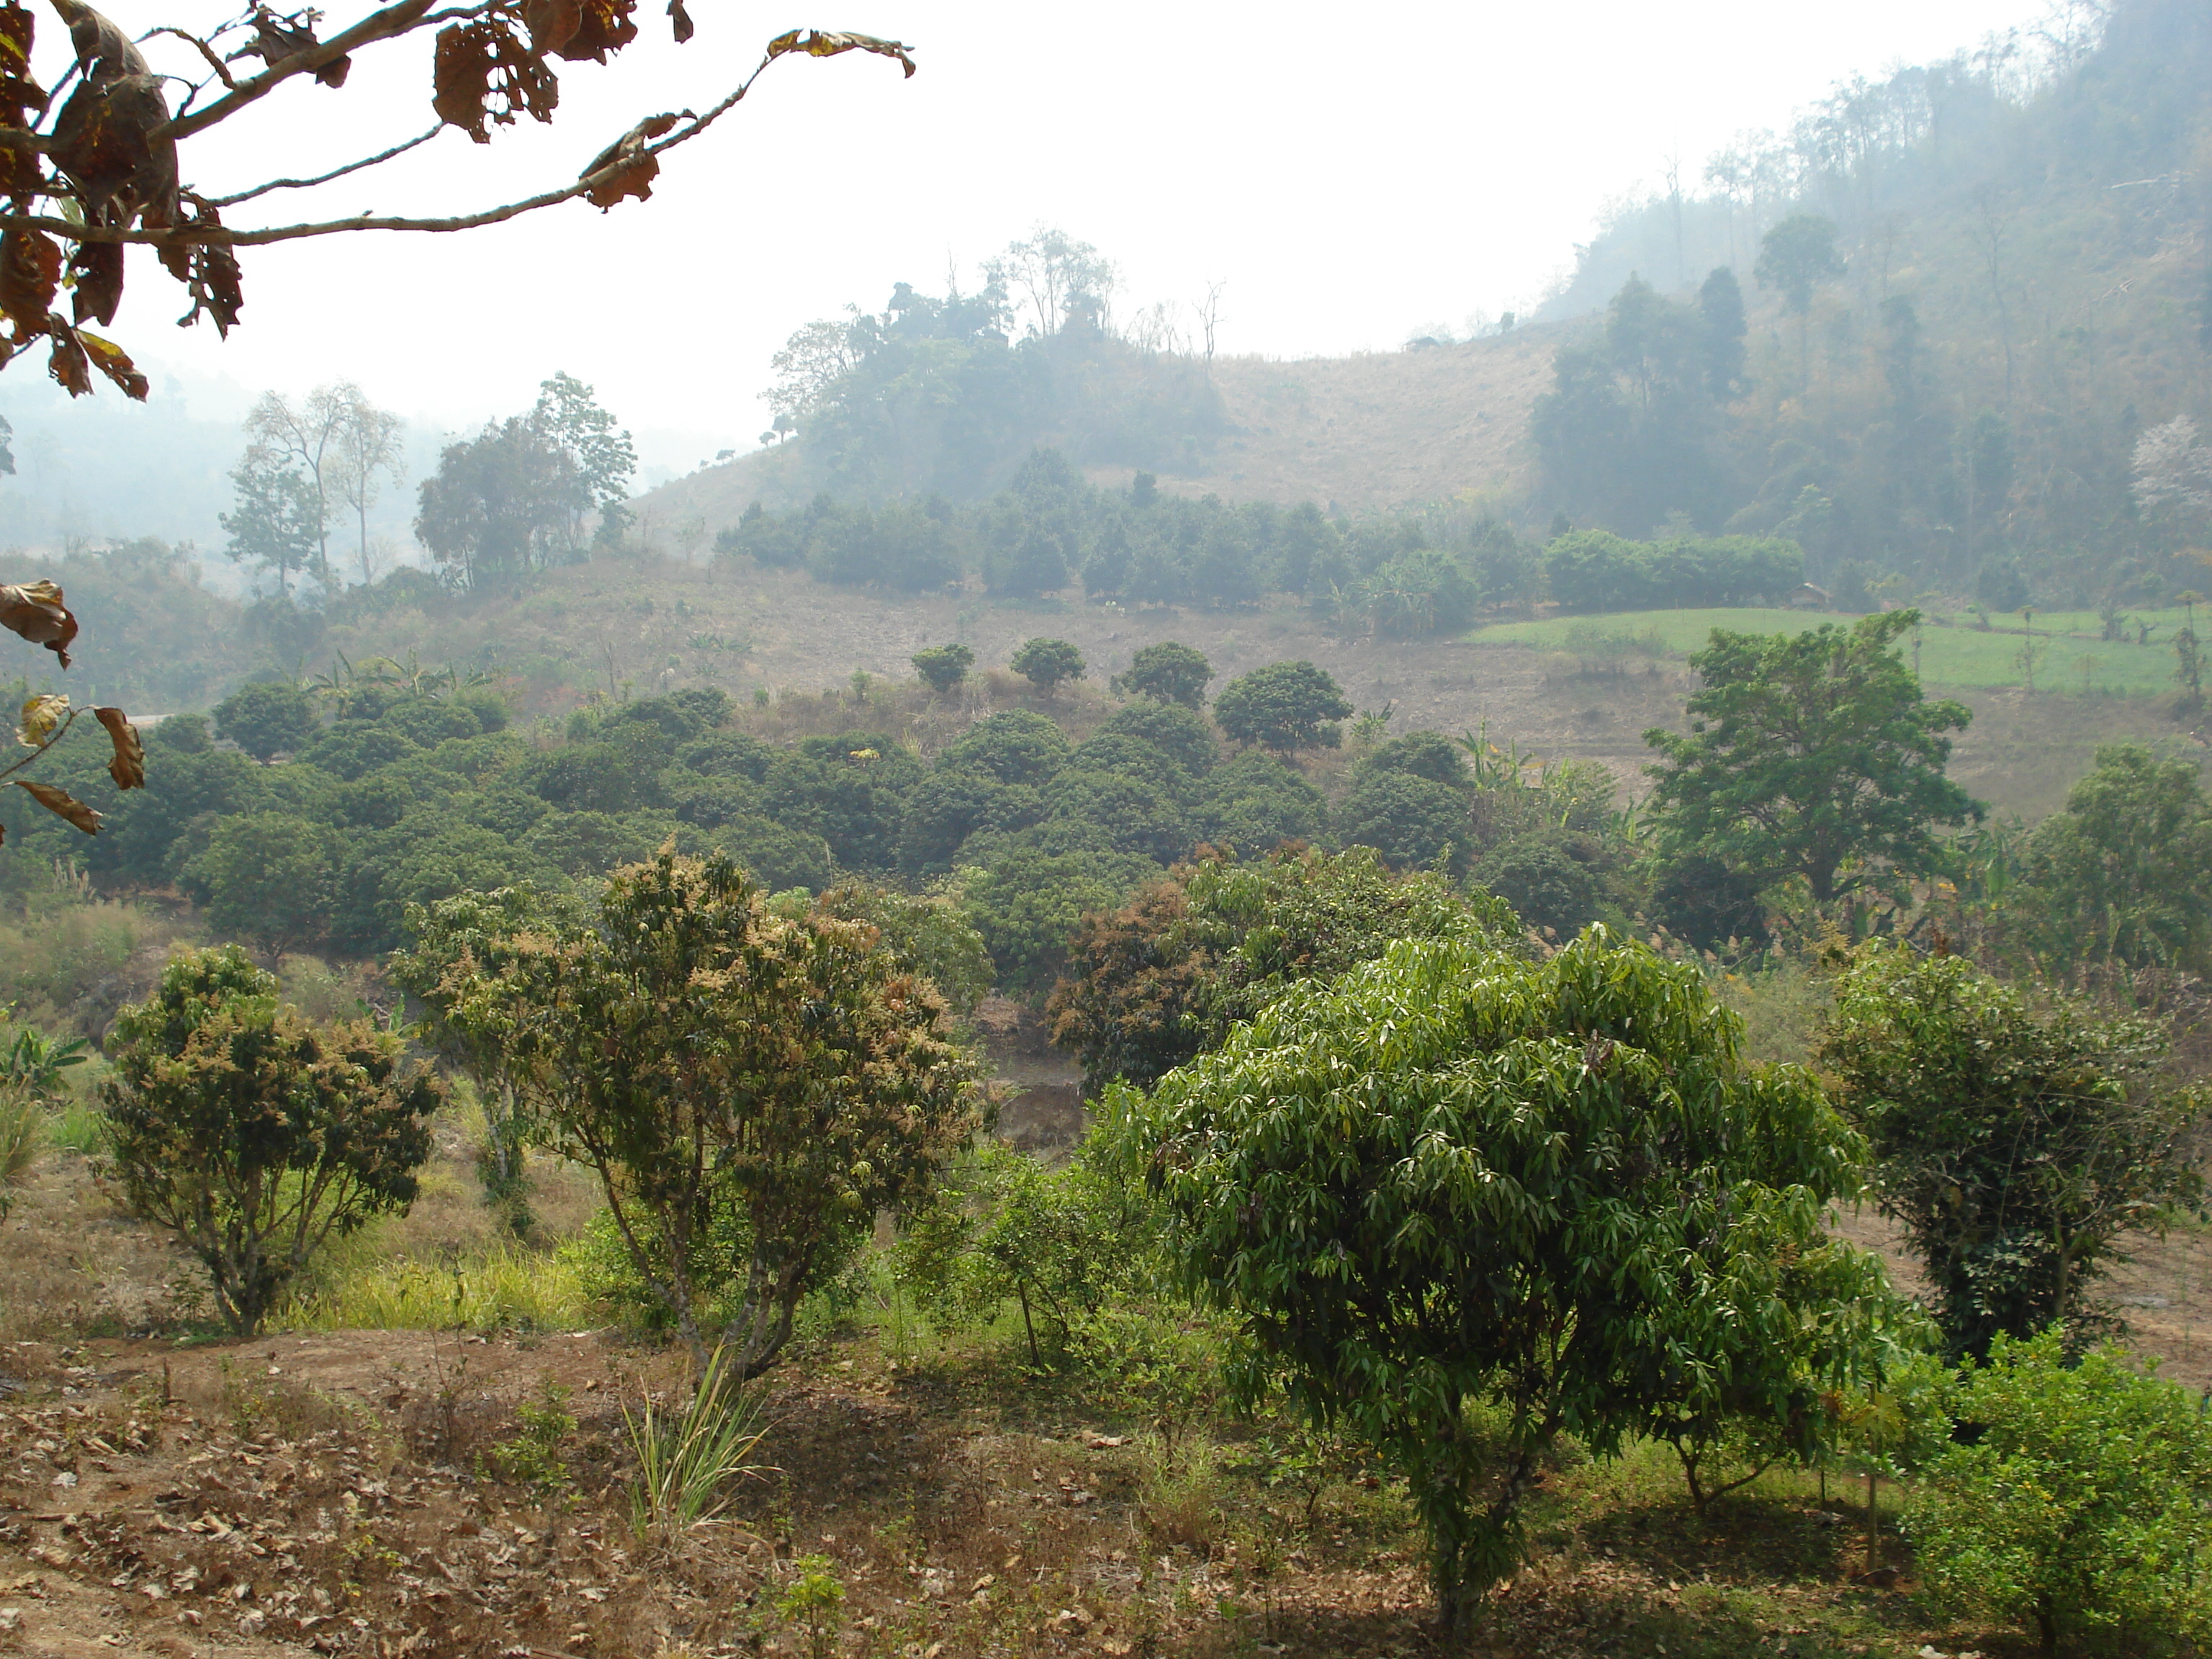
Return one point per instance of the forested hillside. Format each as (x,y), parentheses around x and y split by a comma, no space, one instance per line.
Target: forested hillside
(1939,333)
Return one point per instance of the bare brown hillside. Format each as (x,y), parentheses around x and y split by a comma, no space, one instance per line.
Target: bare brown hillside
(1355,434)
(1379,429)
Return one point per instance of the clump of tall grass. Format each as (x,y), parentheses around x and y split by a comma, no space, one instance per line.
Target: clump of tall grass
(77,1127)
(688,1460)
(504,1288)
(22,1138)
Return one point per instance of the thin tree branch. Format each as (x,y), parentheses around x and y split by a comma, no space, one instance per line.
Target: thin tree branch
(391,21)
(222,71)
(52,737)
(189,235)
(336,172)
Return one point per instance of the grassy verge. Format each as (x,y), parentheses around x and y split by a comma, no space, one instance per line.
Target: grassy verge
(2070,655)
(501,1287)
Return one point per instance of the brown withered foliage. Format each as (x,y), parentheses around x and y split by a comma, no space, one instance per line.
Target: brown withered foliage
(34,611)
(80,185)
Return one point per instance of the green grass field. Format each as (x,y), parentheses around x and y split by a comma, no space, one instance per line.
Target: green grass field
(2070,656)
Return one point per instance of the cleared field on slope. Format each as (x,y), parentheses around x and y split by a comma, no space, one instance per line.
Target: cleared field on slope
(1385,428)
(1378,430)
(1952,651)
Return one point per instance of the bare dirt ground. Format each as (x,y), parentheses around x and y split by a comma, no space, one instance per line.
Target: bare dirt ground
(170,1497)
(339,1495)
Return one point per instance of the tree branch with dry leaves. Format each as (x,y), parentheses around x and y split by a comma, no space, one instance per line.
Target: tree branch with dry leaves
(35,611)
(104,171)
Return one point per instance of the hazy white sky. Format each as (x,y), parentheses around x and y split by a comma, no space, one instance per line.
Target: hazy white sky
(1348,175)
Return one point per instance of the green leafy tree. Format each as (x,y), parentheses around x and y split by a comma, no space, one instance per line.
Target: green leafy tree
(502,505)
(1168,671)
(1423,593)
(2079,1507)
(1027,902)
(719,1066)
(944,666)
(601,458)
(1177,729)
(951,805)
(1001,1227)
(276,520)
(1414,822)
(1284,707)
(1459,1179)
(2188,660)
(267,877)
(1812,755)
(1796,258)
(267,718)
(2123,873)
(1550,887)
(1720,309)
(1255,804)
(929,932)
(252,1134)
(1164,978)
(2018,1146)
(1047,664)
(1017,747)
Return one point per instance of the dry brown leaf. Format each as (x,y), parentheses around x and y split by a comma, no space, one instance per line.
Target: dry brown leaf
(128,765)
(19,96)
(480,61)
(35,611)
(276,39)
(69,364)
(112,360)
(62,804)
(684,29)
(640,167)
(30,276)
(96,270)
(603,26)
(552,23)
(17,28)
(209,271)
(103,138)
(41,716)
(827,43)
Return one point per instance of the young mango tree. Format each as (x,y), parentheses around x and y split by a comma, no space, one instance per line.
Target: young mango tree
(254,1135)
(2018,1144)
(726,1070)
(1457,1178)
(1814,757)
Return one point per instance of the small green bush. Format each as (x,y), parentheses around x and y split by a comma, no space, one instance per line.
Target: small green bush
(815,1601)
(532,1456)
(2079,1508)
